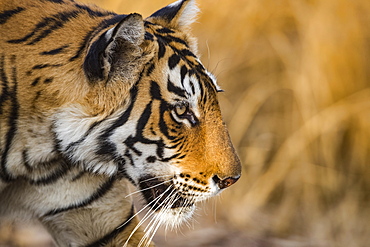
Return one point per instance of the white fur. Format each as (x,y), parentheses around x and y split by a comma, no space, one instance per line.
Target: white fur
(71,124)
(177,216)
(214,80)
(192,98)
(189,14)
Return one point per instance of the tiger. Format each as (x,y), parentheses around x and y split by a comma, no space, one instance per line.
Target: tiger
(96,107)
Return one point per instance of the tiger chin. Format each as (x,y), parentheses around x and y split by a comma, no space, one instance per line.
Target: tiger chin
(92,101)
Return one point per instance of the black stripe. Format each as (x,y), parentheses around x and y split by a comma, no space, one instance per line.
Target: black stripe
(105,146)
(187,52)
(141,123)
(164,30)
(7,14)
(56,22)
(150,69)
(175,89)
(192,87)
(130,142)
(104,24)
(94,61)
(169,38)
(47,26)
(21,40)
(171,157)
(161,49)
(94,64)
(78,176)
(204,90)
(94,13)
(36,81)
(173,61)
(148,36)
(143,120)
(110,236)
(62,167)
(198,68)
(12,118)
(140,126)
(55,51)
(42,66)
(72,145)
(48,80)
(100,192)
(82,45)
(163,108)
(183,73)
(129,156)
(179,143)
(155,91)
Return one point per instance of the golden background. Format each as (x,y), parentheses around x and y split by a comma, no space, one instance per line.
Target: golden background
(296,75)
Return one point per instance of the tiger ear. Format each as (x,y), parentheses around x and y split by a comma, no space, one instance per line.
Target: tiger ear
(114,48)
(178,15)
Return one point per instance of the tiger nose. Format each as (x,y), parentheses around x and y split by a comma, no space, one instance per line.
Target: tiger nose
(224,183)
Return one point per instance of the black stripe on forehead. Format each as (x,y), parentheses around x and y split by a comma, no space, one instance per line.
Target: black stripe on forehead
(174,89)
(192,67)
(173,61)
(161,49)
(183,73)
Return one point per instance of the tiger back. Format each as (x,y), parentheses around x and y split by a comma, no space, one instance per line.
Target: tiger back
(91,101)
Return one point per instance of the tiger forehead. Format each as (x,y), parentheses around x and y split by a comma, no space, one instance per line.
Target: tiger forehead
(168,38)
(175,43)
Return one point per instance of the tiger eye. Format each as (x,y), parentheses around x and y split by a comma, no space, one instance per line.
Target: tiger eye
(180,110)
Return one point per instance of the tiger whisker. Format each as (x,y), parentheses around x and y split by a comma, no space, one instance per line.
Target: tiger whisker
(156,177)
(138,191)
(162,203)
(147,215)
(170,201)
(153,221)
(176,198)
(157,221)
(141,220)
(146,239)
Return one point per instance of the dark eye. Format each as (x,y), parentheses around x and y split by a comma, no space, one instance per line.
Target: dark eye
(183,111)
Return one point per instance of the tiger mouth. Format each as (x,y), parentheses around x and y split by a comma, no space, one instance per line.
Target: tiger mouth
(162,195)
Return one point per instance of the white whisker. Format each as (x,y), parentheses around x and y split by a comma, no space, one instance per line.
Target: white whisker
(138,191)
(160,205)
(153,178)
(148,214)
(155,222)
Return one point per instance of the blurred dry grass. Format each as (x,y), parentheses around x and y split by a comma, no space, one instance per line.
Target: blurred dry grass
(297,102)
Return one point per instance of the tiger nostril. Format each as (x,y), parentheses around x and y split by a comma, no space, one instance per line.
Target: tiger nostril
(216,179)
(227,182)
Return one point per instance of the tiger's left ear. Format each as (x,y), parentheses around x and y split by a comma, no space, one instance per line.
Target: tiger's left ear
(116,50)
(178,15)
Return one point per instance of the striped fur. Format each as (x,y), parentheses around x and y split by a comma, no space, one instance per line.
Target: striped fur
(91,101)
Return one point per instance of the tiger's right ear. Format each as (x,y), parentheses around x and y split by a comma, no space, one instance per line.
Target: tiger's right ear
(114,46)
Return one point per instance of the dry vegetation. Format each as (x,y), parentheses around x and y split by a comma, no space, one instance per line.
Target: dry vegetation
(297,102)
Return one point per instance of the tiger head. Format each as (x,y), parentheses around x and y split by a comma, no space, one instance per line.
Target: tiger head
(151,113)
